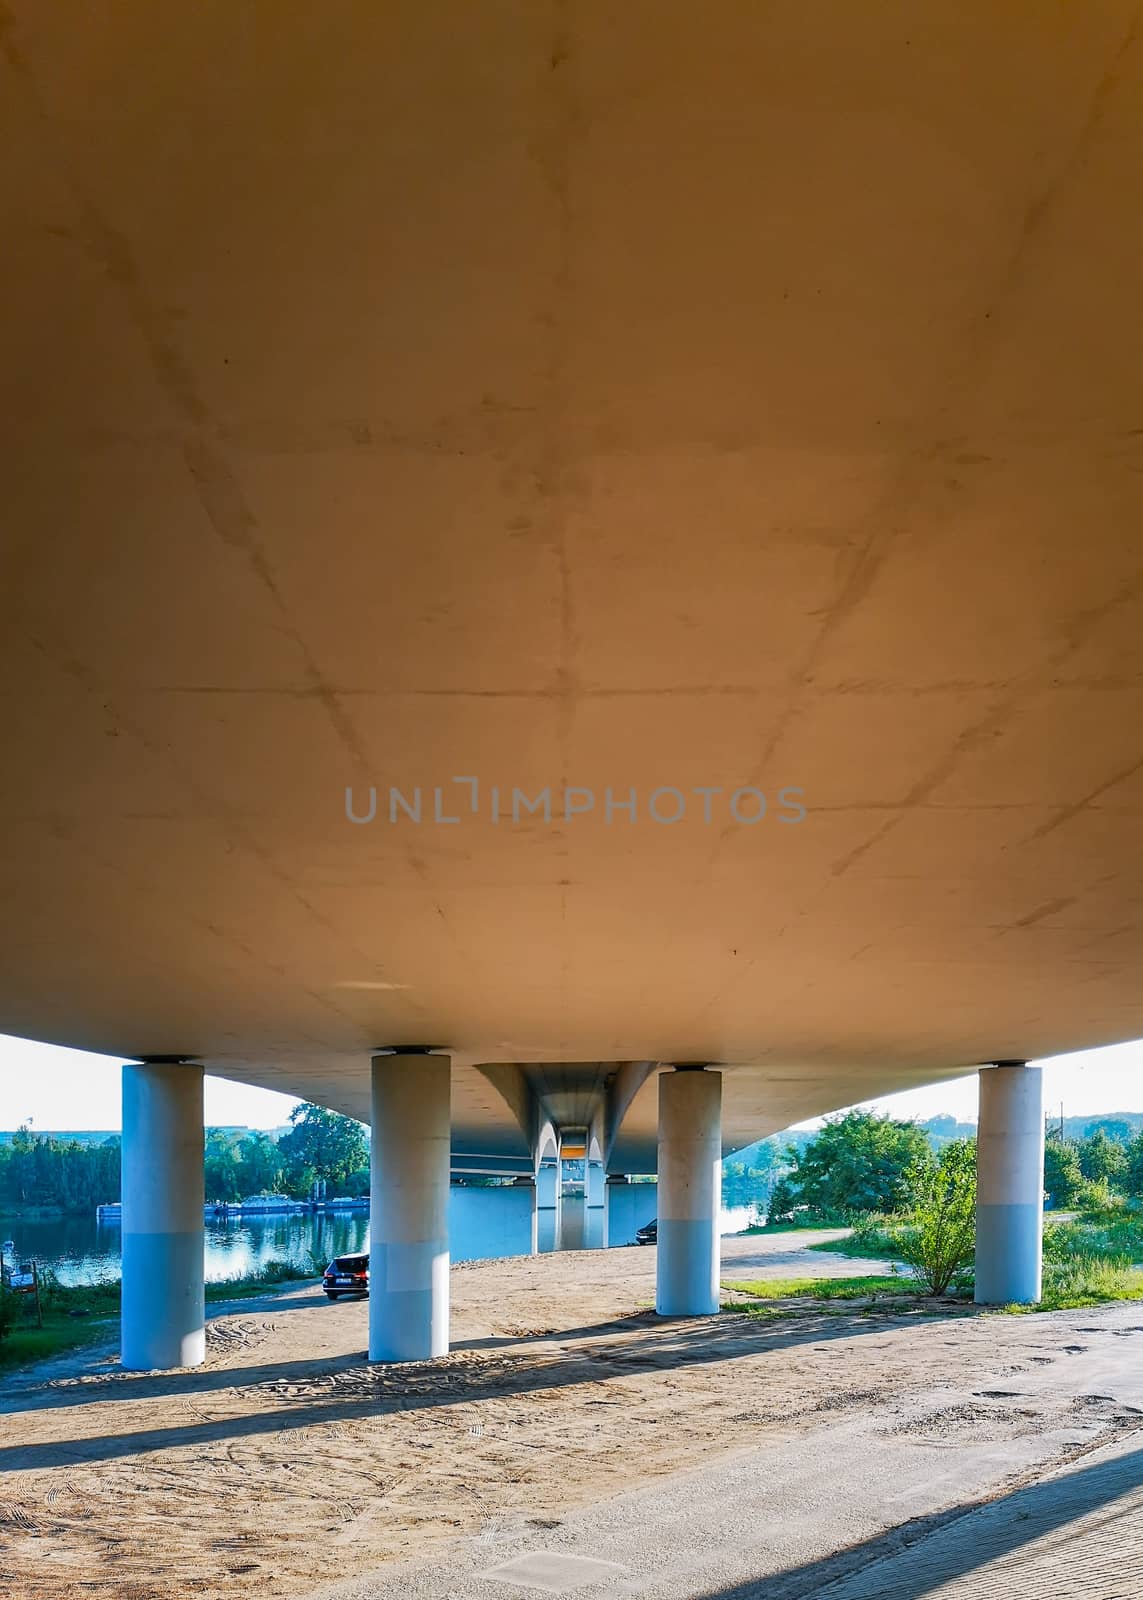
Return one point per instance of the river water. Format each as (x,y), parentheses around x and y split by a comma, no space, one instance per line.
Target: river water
(80,1250)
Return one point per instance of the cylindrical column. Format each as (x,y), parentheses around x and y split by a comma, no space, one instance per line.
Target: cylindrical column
(408,1215)
(163,1314)
(1009,1185)
(627,1207)
(690,1188)
(547,1206)
(594,1183)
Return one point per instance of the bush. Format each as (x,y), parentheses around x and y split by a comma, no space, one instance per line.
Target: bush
(51,1289)
(1097,1203)
(825,1217)
(877,1236)
(941,1240)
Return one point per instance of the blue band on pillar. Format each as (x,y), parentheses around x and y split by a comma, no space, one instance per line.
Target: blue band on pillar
(1008,1241)
(687,1268)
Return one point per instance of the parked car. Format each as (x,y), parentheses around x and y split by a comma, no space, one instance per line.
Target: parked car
(346,1275)
(649,1232)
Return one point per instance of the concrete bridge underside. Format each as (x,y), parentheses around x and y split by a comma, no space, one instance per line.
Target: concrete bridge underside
(579,397)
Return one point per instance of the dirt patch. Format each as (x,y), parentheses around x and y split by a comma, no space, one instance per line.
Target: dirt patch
(251,1474)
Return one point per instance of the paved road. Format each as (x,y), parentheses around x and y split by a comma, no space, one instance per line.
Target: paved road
(958,1495)
(1077,1532)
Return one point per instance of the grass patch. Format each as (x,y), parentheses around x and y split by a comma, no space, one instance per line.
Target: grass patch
(72,1318)
(1117,1239)
(1092,1260)
(27,1343)
(75,1316)
(823,1288)
(1087,1280)
(877,1239)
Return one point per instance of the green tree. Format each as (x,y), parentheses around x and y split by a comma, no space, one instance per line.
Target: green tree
(1133,1176)
(1063,1176)
(783,1202)
(20,1173)
(221,1169)
(58,1172)
(1103,1159)
(750,1176)
(261,1164)
(322,1144)
(941,1241)
(858,1163)
(765,1160)
(357,1183)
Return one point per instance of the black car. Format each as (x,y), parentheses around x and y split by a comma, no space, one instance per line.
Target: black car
(648,1233)
(346,1275)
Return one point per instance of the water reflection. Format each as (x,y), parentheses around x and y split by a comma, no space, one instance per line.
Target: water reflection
(483,1223)
(81,1250)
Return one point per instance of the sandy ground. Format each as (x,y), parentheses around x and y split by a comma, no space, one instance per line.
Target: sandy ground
(287,1458)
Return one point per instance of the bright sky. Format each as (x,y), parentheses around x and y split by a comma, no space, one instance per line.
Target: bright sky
(57,1089)
(1090,1083)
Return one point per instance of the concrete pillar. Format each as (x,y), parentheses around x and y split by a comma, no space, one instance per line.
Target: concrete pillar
(1009,1185)
(690,1184)
(534,1248)
(410,1148)
(163,1316)
(493,1223)
(548,1206)
(627,1208)
(571,1231)
(595,1179)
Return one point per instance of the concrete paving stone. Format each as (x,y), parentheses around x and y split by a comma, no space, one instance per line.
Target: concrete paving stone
(554,1572)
